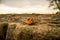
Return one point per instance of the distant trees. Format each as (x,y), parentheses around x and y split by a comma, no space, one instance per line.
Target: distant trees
(55,19)
(55,4)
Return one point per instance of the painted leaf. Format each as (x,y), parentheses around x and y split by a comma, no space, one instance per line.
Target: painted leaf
(29,21)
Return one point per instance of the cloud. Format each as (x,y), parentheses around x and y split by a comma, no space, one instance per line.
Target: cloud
(23,6)
(25,3)
(0,1)
(6,9)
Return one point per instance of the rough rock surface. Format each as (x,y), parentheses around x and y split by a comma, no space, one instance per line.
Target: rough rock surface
(45,27)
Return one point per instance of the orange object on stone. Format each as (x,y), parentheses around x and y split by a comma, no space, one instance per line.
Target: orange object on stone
(29,21)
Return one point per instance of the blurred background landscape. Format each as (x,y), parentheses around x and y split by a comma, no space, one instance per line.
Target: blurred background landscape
(44,16)
(44,27)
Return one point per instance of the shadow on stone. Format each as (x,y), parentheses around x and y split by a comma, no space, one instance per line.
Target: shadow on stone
(3,30)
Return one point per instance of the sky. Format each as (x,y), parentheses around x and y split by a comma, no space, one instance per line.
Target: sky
(25,6)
